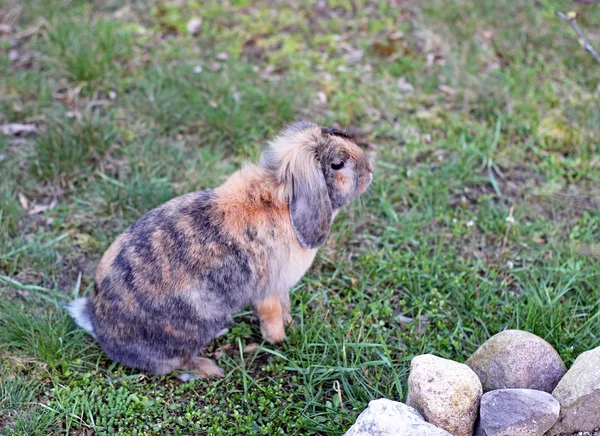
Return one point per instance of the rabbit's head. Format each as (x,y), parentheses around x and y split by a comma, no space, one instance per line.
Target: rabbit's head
(318,170)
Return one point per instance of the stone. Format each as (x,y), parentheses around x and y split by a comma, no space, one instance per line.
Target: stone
(514,359)
(445,392)
(579,395)
(517,412)
(389,418)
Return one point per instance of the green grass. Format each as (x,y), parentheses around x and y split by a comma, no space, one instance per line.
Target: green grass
(85,51)
(471,117)
(232,108)
(69,148)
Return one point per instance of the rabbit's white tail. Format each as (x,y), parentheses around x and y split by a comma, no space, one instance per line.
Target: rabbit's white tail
(79,310)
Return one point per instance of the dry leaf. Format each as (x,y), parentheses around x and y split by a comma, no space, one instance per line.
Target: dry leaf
(218,353)
(447,90)
(39,208)
(384,48)
(403,85)
(24,201)
(97,103)
(426,115)
(557,129)
(396,35)
(404,319)
(193,26)
(421,324)
(14,129)
(250,348)
(590,250)
(354,56)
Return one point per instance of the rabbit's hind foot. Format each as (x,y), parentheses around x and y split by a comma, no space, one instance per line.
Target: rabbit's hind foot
(199,368)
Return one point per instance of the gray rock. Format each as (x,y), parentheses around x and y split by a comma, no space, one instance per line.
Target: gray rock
(514,359)
(445,392)
(391,418)
(517,412)
(579,395)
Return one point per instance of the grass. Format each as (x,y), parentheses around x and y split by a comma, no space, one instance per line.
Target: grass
(231,108)
(88,51)
(69,148)
(473,120)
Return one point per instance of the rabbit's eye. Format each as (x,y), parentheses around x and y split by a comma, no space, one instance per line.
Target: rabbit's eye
(337,165)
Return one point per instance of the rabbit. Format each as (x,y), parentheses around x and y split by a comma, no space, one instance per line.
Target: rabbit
(173,280)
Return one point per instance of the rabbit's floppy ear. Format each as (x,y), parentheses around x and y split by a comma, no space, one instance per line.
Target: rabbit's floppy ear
(301,184)
(310,210)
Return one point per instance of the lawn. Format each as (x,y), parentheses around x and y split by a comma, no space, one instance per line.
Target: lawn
(482,118)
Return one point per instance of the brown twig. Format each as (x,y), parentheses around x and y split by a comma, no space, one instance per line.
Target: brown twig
(338,389)
(570,18)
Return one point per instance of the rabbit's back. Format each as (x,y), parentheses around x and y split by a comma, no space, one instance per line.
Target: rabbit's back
(172,280)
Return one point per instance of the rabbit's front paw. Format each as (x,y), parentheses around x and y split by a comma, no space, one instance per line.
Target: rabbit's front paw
(269,312)
(272,332)
(287,317)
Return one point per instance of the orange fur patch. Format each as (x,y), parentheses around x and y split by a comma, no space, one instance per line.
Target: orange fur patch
(109,256)
(246,201)
(270,313)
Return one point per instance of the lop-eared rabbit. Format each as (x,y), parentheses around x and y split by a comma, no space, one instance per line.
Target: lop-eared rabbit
(173,280)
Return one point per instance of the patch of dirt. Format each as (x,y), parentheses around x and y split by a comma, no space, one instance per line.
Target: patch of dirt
(571,199)
(514,183)
(74,265)
(253,51)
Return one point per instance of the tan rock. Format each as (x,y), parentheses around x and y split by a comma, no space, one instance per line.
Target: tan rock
(445,392)
(579,395)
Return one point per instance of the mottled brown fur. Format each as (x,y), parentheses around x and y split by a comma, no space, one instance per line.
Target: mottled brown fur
(108,258)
